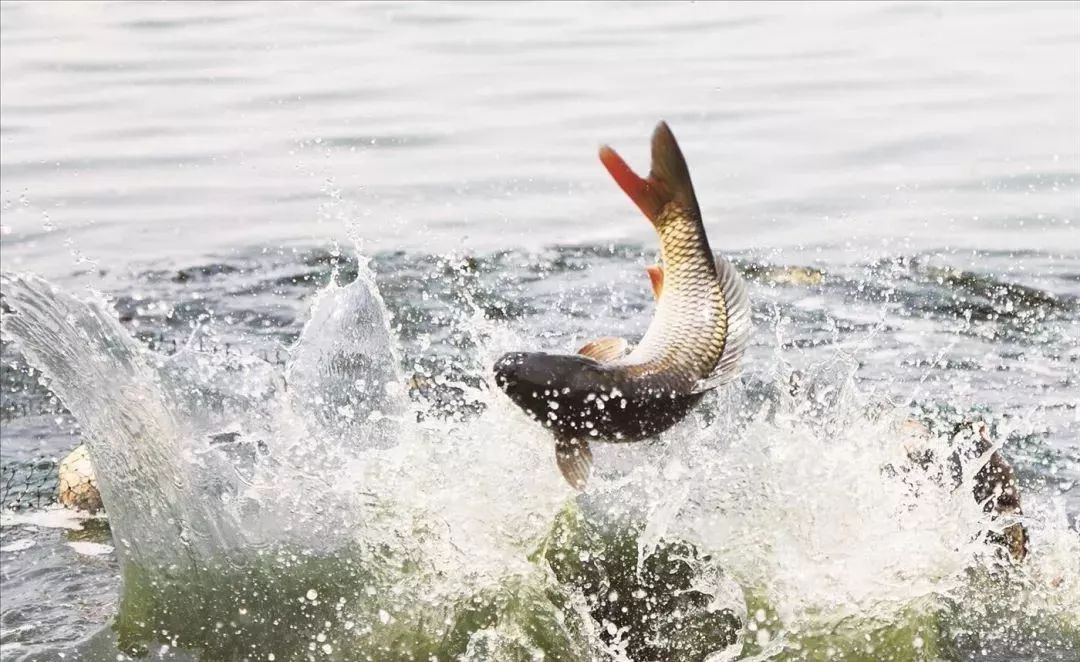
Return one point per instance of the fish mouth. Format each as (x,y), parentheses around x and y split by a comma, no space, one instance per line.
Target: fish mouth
(520,376)
(506,369)
(532,380)
(517,372)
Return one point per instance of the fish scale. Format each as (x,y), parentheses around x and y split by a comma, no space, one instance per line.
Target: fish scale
(687,336)
(697,336)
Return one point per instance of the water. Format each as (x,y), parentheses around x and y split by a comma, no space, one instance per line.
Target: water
(209,168)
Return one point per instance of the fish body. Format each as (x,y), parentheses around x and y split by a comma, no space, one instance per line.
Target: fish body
(612,392)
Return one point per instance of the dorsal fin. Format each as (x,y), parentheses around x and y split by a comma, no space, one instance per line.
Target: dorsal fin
(656,277)
(737,340)
(604,349)
(668,181)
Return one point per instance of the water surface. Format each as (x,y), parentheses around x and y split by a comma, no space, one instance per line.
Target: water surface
(209,166)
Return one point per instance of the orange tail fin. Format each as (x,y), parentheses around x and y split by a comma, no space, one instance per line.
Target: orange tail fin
(668,181)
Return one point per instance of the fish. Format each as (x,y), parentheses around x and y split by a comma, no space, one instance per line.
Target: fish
(610,391)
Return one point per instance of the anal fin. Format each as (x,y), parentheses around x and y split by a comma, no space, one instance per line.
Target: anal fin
(656,278)
(603,349)
(575,462)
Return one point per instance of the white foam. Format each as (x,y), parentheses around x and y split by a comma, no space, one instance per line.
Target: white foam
(90,548)
(18,545)
(50,518)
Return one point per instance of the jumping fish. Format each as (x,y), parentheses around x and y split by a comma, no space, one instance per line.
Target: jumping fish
(610,391)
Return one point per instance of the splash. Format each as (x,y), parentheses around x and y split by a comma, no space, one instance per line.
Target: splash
(775,523)
(203,456)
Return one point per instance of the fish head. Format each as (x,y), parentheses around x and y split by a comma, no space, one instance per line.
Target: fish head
(535,380)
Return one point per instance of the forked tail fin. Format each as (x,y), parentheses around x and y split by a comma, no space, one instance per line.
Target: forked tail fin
(668,181)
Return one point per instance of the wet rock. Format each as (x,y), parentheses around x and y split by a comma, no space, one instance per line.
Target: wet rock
(78,484)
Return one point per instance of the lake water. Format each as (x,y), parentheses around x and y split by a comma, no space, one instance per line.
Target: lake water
(900,183)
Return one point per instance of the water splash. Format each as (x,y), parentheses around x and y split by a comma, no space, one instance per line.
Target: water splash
(135,441)
(321,497)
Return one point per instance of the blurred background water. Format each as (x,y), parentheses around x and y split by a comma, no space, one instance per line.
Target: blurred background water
(901,177)
(172,131)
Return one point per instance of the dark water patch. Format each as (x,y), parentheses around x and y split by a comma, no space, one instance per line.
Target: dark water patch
(305,280)
(804,55)
(710,25)
(179,22)
(827,86)
(942,364)
(1006,297)
(315,97)
(182,80)
(377,141)
(44,107)
(204,272)
(979,303)
(13,129)
(1026,182)
(510,47)
(187,61)
(443,18)
(65,163)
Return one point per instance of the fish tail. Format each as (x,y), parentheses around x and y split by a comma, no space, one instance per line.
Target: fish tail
(668,180)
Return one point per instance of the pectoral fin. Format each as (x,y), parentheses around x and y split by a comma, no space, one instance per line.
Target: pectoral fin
(575,462)
(604,349)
